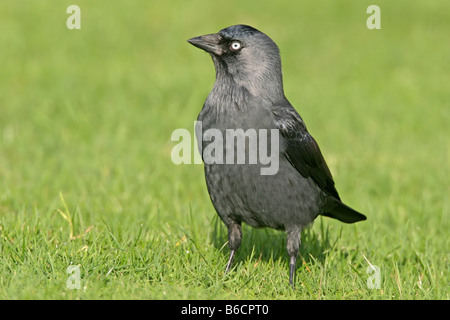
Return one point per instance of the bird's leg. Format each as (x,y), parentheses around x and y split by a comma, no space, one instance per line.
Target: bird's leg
(292,269)
(234,240)
(230,261)
(292,245)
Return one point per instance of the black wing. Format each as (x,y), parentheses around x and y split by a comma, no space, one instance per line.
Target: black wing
(301,150)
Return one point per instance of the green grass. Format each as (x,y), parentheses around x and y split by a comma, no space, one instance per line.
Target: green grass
(86,176)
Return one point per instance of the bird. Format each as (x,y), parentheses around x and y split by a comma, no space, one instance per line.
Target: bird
(248,94)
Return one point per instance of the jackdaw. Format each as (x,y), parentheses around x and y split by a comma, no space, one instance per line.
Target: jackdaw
(248,95)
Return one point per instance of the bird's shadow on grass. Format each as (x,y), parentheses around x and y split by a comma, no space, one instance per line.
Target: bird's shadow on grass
(270,245)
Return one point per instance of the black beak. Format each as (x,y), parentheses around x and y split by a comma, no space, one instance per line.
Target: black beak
(210,43)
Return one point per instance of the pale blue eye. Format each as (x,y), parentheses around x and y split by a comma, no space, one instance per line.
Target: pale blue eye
(235,45)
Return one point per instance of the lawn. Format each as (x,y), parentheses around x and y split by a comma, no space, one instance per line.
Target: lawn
(87,181)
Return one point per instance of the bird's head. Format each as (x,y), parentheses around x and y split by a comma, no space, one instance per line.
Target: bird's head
(247,57)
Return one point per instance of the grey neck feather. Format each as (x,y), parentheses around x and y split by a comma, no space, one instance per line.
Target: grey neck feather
(260,81)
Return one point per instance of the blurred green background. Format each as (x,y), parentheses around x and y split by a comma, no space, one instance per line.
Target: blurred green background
(86,118)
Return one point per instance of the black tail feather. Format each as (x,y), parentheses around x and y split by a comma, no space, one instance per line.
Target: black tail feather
(334,208)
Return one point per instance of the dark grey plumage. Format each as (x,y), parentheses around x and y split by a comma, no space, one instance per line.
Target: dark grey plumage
(248,94)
